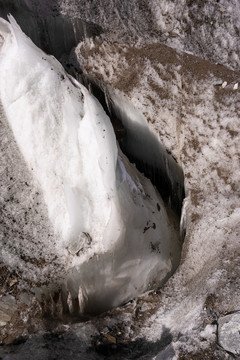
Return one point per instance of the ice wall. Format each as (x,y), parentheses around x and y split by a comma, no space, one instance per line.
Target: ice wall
(116,237)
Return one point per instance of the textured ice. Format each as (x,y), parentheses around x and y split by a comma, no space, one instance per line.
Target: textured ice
(115,237)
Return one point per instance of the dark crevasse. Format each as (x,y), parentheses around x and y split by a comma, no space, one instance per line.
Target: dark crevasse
(142,147)
(53,32)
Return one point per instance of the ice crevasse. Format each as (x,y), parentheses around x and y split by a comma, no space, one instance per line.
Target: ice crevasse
(115,234)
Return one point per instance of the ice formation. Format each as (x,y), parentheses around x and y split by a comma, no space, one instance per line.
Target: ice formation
(116,236)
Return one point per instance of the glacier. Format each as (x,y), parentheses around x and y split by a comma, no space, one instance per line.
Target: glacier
(196,119)
(116,236)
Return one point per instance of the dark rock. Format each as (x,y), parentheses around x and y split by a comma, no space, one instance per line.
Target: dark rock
(229,332)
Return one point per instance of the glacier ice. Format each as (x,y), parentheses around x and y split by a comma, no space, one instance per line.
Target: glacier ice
(117,238)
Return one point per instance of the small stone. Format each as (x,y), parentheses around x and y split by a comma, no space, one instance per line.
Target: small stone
(78,243)
(224,84)
(235,87)
(7,309)
(5,314)
(13,282)
(218,82)
(2,338)
(110,338)
(229,332)
(222,9)
(3,323)
(25,298)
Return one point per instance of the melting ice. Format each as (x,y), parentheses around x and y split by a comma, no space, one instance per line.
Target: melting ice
(116,236)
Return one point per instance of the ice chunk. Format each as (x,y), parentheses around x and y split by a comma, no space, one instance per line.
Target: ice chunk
(120,237)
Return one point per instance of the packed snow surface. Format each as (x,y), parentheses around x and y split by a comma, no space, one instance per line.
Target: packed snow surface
(116,238)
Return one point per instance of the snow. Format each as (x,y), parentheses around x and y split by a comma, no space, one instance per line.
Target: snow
(116,239)
(209,333)
(206,29)
(198,120)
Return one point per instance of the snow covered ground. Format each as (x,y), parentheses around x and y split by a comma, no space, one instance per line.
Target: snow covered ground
(197,118)
(188,106)
(209,29)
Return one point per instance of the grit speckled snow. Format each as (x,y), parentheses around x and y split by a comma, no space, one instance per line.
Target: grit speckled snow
(192,106)
(198,121)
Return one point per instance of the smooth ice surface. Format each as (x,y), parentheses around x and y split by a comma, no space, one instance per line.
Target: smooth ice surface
(116,239)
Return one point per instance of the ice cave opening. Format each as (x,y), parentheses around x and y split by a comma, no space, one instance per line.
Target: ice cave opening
(118,232)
